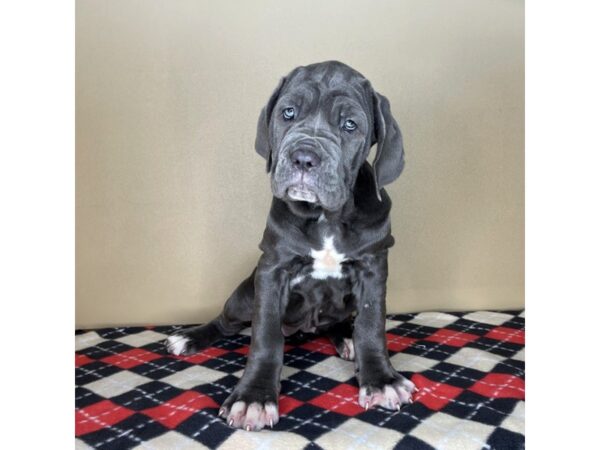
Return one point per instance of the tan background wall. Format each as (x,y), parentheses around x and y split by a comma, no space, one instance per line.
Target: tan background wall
(172,199)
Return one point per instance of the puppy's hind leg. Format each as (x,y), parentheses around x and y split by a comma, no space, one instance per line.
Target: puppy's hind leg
(190,340)
(341,336)
(236,314)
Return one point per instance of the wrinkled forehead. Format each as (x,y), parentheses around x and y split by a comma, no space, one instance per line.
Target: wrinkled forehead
(320,87)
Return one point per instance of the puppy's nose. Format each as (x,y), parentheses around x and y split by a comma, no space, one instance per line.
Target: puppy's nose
(304,159)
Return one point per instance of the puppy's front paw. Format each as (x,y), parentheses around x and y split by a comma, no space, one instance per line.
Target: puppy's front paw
(391,395)
(249,412)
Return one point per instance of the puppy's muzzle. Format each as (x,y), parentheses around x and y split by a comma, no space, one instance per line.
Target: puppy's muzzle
(304,160)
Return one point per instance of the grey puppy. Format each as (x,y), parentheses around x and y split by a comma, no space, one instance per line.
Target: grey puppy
(323,267)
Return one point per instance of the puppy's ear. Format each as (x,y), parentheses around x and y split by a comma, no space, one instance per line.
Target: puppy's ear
(389,159)
(262,144)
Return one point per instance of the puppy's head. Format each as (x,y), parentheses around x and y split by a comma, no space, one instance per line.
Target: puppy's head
(316,131)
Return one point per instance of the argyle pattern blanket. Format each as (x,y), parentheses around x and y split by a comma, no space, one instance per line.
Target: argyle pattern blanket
(469,368)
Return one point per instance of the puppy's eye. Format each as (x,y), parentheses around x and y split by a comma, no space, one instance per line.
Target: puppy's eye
(289,113)
(349,125)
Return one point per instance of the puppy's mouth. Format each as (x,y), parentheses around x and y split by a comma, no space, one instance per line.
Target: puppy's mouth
(301,193)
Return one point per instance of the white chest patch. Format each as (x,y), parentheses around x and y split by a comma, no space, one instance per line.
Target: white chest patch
(327,262)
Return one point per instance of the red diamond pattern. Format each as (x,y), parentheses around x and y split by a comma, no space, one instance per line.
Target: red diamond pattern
(204,355)
(131,358)
(341,399)
(500,385)
(99,415)
(321,345)
(432,394)
(244,350)
(506,334)
(398,343)
(82,360)
(451,337)
(287,404)
(176,410)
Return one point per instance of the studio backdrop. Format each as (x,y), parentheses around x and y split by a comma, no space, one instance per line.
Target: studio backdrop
(171,198)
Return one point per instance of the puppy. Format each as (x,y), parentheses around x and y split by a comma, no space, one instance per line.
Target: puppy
(323,267)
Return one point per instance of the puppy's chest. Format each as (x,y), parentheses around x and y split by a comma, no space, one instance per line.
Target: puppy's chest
(327,261)
(328,257)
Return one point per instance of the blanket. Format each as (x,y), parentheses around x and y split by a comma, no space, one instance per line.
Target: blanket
(469,368)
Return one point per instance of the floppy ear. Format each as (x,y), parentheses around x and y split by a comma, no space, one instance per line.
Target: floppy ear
(262,144)
(389,159)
